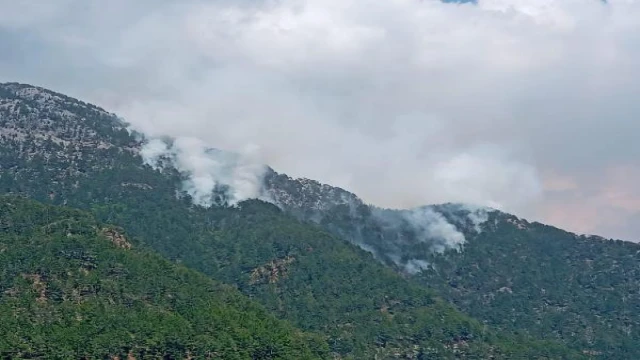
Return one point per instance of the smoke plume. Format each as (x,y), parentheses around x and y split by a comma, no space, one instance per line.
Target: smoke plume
(429,224)
(208,172)
(215,177)
(440,228)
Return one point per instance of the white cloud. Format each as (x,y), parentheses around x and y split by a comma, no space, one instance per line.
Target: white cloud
(404,102)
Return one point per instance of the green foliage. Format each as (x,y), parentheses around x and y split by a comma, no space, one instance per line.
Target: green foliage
(528,279)
(318,282)
(69,290)
(538,280)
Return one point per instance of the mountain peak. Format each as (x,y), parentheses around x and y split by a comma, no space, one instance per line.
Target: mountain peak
(46,97)
(31,112)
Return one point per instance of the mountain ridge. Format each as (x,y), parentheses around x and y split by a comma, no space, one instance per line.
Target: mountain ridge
(300,194)
(325,283)
(300,273)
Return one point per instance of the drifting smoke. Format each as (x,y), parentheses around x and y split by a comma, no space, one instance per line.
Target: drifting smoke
(214,177)
(207,171)
(407,233)
(428,224)
(467,214)
(414,266)
(478,217)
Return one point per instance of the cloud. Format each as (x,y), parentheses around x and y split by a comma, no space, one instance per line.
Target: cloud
(403,102)
(608,204)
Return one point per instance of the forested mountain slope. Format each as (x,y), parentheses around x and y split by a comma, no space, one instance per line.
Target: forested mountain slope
(519,276)
(552,284)
(402,239)
(71,287)
(301,273)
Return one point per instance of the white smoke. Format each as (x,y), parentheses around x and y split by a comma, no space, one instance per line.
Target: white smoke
(433,226)
(414,266)
(463,213)
(482,175)
(478,216)
(153,151)
(440,227)
(367,248)
(208,171)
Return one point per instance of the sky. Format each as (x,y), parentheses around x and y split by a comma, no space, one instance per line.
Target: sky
(529,106)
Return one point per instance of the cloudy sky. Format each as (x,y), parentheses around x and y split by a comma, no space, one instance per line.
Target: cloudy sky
(530,106)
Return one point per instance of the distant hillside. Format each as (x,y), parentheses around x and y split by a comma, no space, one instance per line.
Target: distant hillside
(521,277)
(71,287)
(539,280)
(299,272)
(401,239)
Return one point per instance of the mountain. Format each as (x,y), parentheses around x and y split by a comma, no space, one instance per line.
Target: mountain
(294,260)
(546,282)
(514,275)
(62,151)
(401,239)
(72,287)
